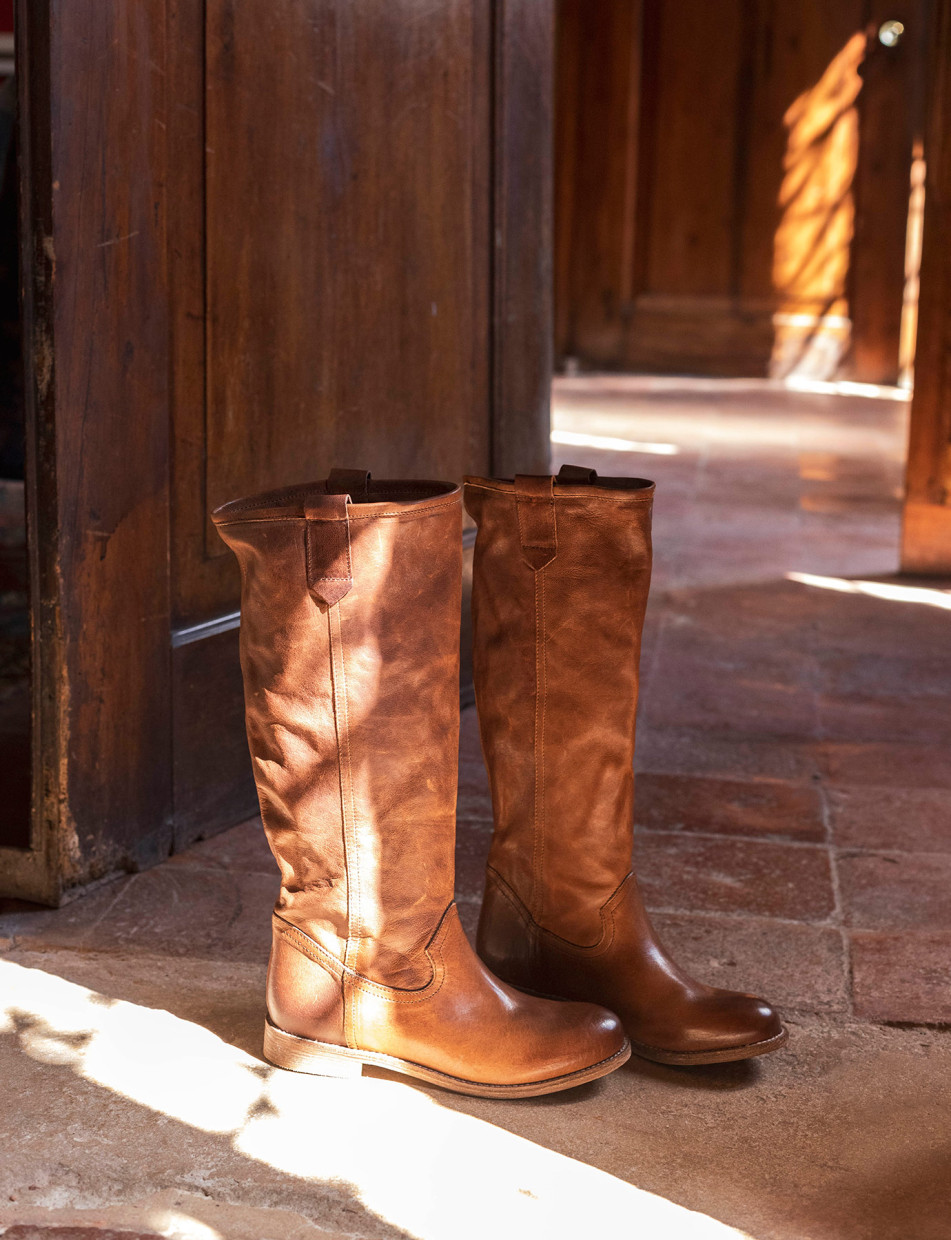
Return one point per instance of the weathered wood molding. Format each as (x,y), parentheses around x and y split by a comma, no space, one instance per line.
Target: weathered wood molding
(926,530)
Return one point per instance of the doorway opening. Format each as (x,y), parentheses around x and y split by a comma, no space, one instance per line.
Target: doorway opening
(739,188)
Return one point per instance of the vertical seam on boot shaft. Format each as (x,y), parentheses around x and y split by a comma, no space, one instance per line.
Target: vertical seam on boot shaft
(538,841)
(355,926)
(350,847)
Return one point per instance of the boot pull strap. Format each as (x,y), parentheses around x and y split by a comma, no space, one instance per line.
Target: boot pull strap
(535,507)
(576,475)
(327,548)
(355,482)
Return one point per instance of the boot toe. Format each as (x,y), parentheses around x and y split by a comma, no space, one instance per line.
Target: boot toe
(593,1033)
(752,1020)
(733,1020)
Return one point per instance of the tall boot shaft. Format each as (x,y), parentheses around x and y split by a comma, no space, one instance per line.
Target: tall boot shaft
(560,584)
(351,598)
(350,654)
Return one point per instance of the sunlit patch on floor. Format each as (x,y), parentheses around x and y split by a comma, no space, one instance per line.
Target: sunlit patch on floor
(421,1168)
(925,596)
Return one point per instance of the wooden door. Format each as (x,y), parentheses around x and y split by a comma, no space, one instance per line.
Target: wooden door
(266,237)
(733,184)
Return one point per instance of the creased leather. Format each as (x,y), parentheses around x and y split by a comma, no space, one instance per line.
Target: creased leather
(352,718)
(555,663)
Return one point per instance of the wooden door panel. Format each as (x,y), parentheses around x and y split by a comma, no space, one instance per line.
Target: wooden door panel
(689,75)
(892,117)
(346,261)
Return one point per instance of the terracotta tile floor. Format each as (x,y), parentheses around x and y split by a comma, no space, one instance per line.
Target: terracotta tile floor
(794,837)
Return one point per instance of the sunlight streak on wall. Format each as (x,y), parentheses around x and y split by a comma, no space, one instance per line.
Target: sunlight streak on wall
(812,242)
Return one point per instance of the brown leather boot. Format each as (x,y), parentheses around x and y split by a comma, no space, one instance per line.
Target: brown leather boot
(562,571)
(349,647)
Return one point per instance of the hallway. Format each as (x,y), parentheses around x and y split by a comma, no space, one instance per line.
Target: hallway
(794,838)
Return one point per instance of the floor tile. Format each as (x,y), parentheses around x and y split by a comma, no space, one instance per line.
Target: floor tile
(683,873)
(905,719)
(174,910)
(764,807)
(226,997)
(474,798)
(902,819)
(892,891)
(792,966)
(890,764)
(473,838)
(738,698)
(702,751)
(903,977)
(243,847)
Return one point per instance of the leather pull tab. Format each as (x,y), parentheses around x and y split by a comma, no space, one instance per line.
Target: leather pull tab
(535,504)
(353,482)
(577,475)
(327,548)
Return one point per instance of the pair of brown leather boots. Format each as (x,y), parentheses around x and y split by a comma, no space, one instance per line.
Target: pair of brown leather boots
(351,594)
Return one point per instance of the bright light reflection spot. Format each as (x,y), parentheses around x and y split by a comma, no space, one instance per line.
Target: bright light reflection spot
(877,589)
(436,1173)
(577,440)
(175,1223)
(845,387)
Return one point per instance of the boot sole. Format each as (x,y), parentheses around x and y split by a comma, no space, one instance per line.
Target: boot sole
(286,1050)
(730,1054)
